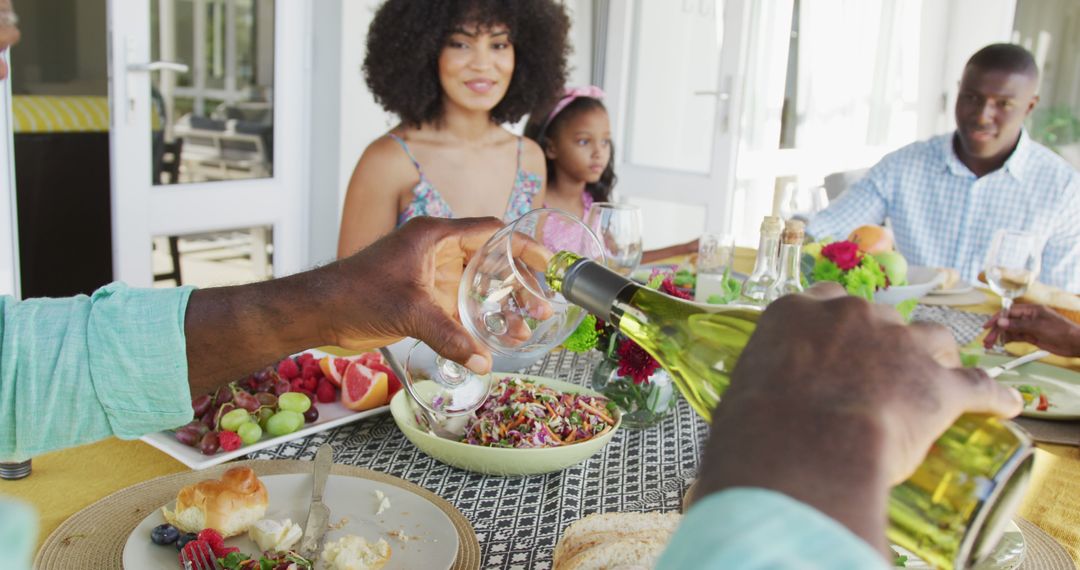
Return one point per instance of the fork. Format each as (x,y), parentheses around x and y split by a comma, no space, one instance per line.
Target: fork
(202,558)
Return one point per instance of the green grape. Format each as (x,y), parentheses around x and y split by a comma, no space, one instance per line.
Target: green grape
(264,414)
(234,419)
(249,432)
(294,402)
(283,422)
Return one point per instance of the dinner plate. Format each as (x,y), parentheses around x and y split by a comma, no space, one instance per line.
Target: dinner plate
(431,539)
(331,415)
(1007,556)
(1061,386)
(959,288)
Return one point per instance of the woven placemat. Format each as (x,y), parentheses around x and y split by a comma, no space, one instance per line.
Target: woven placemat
(95,536)
(1041,551)
(1047,431)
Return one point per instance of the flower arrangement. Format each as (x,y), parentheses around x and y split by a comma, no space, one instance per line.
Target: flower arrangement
(859,272)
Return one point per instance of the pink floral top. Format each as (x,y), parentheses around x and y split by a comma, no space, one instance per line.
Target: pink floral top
(428,202)
(566,235)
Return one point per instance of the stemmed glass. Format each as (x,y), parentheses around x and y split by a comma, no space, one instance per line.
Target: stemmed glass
(802,202)
(505,302)
(1012,264)
(619,228)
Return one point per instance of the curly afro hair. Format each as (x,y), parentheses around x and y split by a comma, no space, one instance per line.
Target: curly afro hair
(407,36)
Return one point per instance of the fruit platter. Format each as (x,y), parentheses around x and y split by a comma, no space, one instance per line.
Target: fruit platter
(302,394)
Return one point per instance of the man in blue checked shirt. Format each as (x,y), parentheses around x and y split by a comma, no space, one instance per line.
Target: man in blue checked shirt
(946,196)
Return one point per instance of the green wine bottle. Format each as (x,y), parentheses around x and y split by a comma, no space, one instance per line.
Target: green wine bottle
(950,512)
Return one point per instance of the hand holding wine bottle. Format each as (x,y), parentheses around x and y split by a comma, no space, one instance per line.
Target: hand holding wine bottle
(855,369)
(798,419)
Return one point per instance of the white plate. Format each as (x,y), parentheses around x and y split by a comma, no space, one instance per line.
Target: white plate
(1007,556)
(331,415)
(1061,386)
(433,539)
(959,288)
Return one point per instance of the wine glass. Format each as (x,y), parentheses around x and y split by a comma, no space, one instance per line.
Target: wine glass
(802,202)
(619,228)
(1012,264)
(716,252)
(505,302)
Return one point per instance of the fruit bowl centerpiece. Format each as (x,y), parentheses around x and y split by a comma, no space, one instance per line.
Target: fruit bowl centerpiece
(868,266)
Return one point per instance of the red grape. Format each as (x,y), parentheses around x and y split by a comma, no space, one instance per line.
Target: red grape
(311,414)
(209,443)
(188,436)
(246,401)
(201,404)
(224,394)
(266,399)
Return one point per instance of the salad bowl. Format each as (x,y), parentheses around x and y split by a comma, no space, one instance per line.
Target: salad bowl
(500,460)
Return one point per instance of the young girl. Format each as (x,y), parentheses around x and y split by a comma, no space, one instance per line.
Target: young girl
(576,137)
(454,71)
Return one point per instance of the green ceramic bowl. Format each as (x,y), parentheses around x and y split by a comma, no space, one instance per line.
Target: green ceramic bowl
(496,460)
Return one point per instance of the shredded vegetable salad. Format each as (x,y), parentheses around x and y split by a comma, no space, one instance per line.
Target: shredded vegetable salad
(526,415)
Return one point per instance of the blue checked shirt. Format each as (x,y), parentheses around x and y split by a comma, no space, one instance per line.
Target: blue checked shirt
(943,216)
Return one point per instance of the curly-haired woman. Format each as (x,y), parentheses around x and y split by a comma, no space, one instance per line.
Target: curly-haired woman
(454,71)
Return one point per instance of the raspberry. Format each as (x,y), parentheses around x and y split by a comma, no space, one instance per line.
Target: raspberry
(296,385)
(229,441)
(213,539)
(200,549)
(310,384)
(288,369)
(311,370)
(304,358)
(325,392)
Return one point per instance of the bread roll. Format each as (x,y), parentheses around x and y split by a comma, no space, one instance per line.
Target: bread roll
(585,544)
(229,505)
(620,554)
(952,277)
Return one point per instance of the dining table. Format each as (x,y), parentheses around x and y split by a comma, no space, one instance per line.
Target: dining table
(518,520)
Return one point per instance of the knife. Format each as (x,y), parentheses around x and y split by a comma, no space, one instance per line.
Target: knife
(997,370)
(318,518)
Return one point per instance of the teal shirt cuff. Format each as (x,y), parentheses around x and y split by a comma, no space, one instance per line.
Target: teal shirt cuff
(748,528)
(18,532)
(80,369)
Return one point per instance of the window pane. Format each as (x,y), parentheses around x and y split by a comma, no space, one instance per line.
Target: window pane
(673,90)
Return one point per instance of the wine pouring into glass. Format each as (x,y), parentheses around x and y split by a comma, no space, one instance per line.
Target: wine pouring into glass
(1012,265)
(505,302)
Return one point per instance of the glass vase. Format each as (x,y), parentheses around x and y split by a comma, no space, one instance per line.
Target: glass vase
(642,405)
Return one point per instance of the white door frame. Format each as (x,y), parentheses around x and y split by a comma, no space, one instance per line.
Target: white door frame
(716,189)
(9,235)
(141,211)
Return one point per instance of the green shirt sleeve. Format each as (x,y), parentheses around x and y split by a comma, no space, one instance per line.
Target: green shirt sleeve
(79,369)
(747,529)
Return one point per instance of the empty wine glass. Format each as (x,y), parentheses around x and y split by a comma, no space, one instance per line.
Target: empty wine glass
(505,302)
(802,202)
(1012,264)
(619,228)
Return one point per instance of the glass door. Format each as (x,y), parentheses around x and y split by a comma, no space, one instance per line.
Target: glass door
(207,100)
(674,82)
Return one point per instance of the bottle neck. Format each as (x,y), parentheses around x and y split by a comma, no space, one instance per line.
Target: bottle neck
(596,289)
(790,255)
(766,255)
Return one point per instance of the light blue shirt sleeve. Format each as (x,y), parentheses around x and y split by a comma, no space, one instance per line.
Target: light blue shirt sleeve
(79,369)
(865,203)
(746,528)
